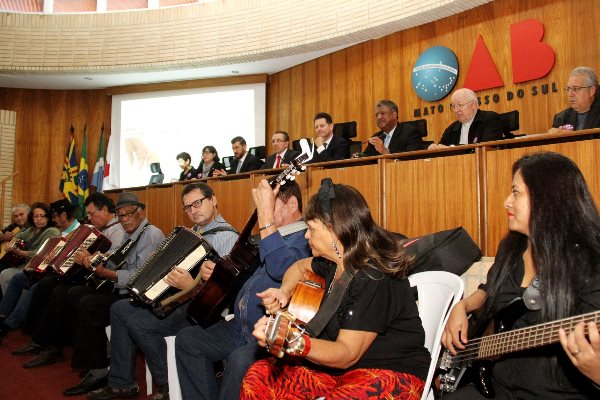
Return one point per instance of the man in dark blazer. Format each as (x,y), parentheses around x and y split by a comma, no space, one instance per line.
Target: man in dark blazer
(326,146)
(472,125)
(246,161)
(282,155)
(394,136)
(584,112)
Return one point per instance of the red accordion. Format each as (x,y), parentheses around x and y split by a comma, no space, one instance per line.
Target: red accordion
(86,237)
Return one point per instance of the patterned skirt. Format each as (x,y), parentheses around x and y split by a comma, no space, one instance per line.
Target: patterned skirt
(273,379)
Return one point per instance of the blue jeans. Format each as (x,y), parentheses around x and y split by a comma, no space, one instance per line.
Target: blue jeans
(11,307)
(133,326)
(196,349)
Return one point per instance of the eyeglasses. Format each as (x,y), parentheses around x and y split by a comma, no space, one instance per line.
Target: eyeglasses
(91,213)
(575,89)
(278,141)
(455,107)
(127,214)
(195,204)
(40,216)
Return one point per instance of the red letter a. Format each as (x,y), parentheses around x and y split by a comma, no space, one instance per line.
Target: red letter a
(531,59)
(482,73)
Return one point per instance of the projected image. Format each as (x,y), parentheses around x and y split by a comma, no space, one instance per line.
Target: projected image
(155,127)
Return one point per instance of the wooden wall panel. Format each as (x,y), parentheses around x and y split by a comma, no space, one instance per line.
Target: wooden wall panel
(350,81)
(365,178)
(233,199)
(498,165)
(43,121)
(432,194)
(161,206)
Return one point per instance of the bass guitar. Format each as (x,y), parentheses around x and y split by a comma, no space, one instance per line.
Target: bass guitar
(210,298)
(473,362)
(288,325)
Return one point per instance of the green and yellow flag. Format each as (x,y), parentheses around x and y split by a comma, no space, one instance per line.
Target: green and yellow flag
(83,190)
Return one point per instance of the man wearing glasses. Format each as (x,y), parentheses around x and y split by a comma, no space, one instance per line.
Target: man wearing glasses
(394,136)
(472,124)
(282,155)
(584,110)
(133,326)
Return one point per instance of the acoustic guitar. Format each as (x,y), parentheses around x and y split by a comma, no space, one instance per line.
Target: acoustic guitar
(211,297)
(10,258)
(287,325)
(473,363)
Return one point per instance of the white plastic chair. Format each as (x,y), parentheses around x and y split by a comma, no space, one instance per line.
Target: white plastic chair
(174,388)
(438,291)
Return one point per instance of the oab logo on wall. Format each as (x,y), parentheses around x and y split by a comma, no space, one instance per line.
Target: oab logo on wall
(435,73)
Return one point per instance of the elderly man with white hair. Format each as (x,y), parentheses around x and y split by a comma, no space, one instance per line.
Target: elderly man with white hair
(584,106)
(472,124)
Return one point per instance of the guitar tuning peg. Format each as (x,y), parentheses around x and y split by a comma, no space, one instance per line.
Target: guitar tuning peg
(293,178)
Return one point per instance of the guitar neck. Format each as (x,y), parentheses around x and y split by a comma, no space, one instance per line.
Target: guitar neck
(523,338)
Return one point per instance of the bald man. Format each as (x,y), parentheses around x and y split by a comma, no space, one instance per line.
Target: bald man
(472,125)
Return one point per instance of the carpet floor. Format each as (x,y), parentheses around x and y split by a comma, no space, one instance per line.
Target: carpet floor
(43,383)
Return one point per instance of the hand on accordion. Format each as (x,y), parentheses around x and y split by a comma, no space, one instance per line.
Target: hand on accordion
(80,255)
(206,269)
(179,278)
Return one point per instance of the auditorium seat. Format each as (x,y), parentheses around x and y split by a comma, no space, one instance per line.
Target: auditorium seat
(227,163)
(510,123)
(258,151)
(157,176)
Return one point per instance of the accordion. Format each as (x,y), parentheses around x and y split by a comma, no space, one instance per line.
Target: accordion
(183,248)
(37,267)
(86,237)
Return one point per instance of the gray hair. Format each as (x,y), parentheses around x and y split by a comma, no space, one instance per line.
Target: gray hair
(389,104)
(21,206)
(590,74)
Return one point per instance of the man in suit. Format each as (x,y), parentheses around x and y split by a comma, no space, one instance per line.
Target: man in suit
(282,155)
(472,125)
(584,112)
(394,136)
(243,161)
(328,147)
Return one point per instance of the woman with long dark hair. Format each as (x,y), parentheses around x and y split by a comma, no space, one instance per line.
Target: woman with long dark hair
(372,345)
(550,257)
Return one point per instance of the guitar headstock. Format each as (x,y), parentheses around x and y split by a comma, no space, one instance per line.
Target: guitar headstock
(296,166)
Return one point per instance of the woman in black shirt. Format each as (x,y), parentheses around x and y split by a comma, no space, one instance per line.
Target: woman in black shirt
(552,251)
(373,344)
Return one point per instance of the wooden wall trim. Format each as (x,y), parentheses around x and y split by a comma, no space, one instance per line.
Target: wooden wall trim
(191,84)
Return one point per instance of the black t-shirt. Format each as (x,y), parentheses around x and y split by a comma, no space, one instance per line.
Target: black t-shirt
(531,374)
(375,302)
(186,176)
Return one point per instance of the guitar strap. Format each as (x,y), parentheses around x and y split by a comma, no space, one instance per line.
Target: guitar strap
(331,303)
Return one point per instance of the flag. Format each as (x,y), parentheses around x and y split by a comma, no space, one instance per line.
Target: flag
(82,179)
(111,167)
(68,181)
(98,175)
